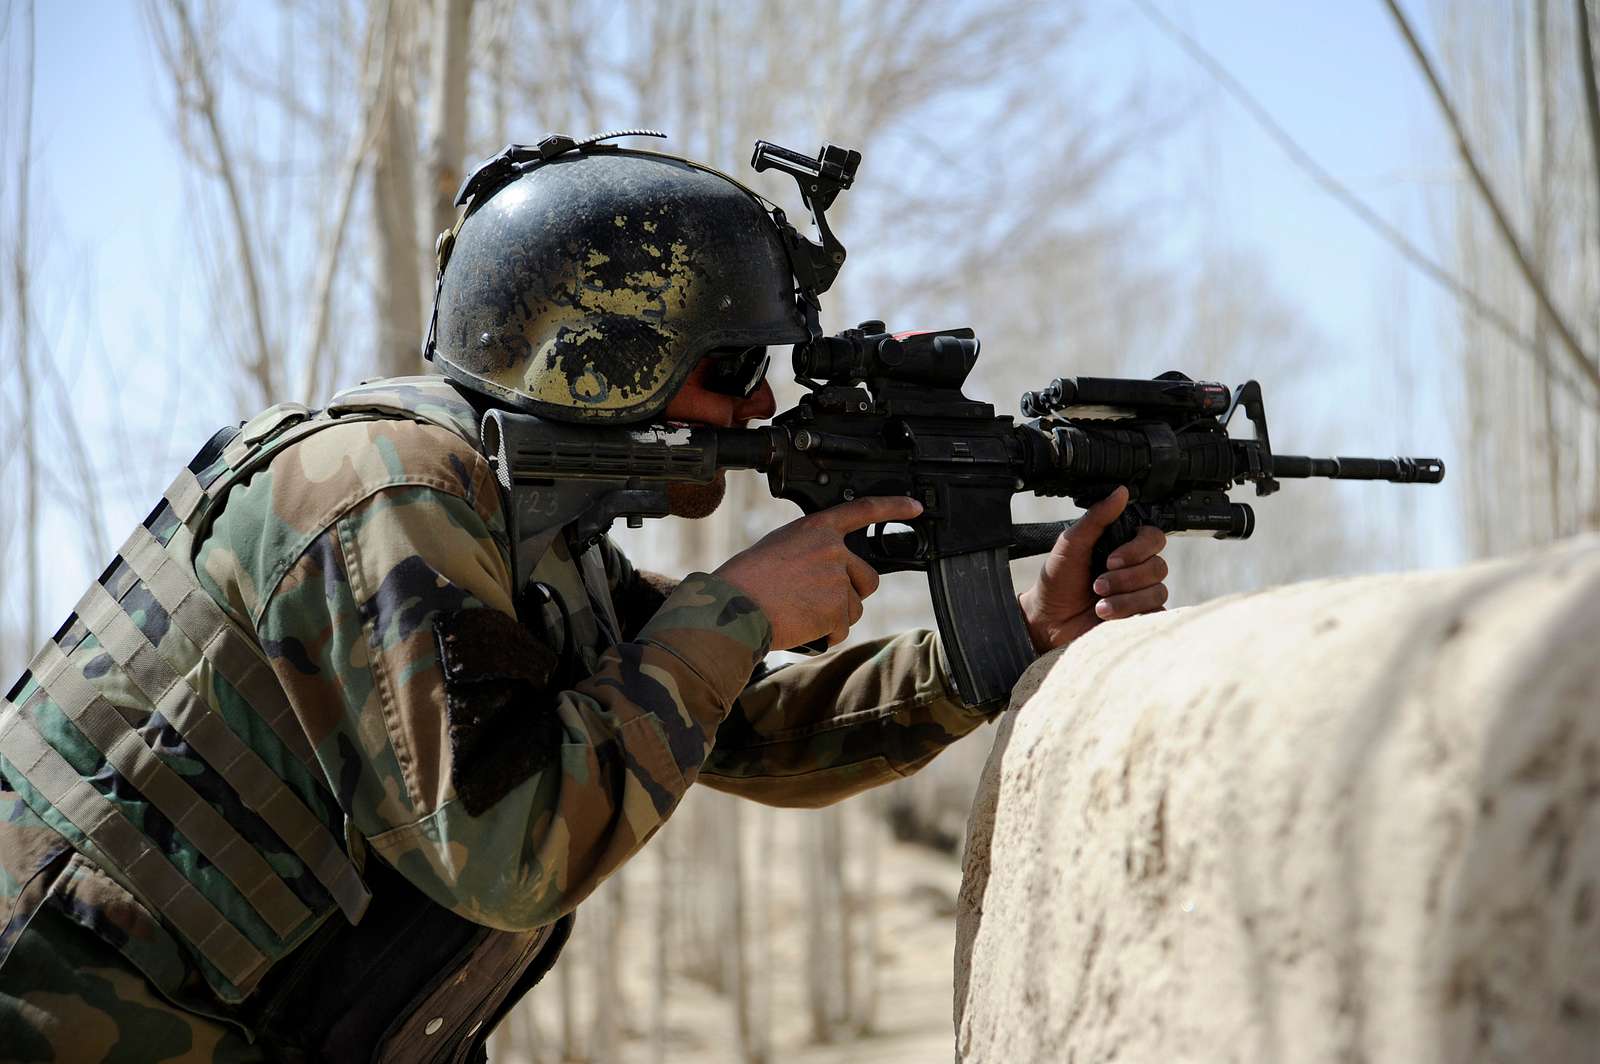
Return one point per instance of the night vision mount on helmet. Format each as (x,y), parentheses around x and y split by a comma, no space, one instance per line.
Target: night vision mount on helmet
(584,281)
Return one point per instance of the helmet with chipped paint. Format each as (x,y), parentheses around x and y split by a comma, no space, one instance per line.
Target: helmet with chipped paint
(586,286)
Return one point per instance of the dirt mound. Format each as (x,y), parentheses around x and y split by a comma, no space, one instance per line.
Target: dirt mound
(1346,820)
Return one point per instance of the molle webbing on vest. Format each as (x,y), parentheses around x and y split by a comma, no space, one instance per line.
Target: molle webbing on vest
(121,846)
(125,750)
(199,617)
(186,709)
(185,495)
(192,499)
(236,899)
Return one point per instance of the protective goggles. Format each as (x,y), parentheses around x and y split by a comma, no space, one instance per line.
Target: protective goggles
(737,371)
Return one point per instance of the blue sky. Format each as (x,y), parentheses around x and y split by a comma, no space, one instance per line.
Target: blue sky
(110,191)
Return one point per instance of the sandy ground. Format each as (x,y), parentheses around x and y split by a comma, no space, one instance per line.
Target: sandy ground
(915,895)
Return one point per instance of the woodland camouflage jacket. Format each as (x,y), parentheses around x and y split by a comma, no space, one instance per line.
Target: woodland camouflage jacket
(347,555)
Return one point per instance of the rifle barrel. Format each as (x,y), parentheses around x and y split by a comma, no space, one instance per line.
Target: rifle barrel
(1395,470)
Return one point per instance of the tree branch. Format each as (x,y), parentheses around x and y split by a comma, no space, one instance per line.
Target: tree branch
(333,243)
(1591,95)
(1335,188)
(260,363)
(25,377)
(447,111)
(1586,367)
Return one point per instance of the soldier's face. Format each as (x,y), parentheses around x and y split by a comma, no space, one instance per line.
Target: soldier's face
(695,404)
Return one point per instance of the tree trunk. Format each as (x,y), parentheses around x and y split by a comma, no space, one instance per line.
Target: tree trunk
(663,952)
(736,943)
(261,361)
(1541,193)
(818,947)
(838,833)
(864,1009)
(762,975)
(447,110)
(394,200)
(24,354)
(567,979)
(606,958)
(830,981)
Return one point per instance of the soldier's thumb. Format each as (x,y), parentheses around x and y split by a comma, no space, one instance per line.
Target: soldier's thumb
(1096,519)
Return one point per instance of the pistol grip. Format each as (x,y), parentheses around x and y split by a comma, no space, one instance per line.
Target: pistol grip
(1120,531)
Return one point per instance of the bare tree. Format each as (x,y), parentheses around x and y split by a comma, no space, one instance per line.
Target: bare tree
(610,1004)
(331,252)
(1469,298)
(661,942)
(447,108)
(753,1041)
(1580,359)
(21,265)
(182,49)
(864,1006)
(398,290)
(269,236)
(1522,106)
(567,989)
(830,941)
(45,463)
(1583,33)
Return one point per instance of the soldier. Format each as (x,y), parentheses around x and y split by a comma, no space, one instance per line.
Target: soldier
(305,777)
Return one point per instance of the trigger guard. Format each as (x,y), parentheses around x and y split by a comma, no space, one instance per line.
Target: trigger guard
(875,539)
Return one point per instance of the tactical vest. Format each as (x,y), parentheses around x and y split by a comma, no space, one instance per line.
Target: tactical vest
(152,734)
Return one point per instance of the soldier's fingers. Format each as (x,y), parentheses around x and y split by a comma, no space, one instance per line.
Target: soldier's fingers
(1146,543)
(1145,600)
(869,510)
(837,636)
(853,609)
(1095,520)
(1147,573)
(1070,555)
(863,577)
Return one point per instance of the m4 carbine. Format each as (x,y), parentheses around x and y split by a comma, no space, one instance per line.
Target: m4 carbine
(885,415)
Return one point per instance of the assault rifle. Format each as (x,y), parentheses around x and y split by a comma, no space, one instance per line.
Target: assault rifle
(885,415)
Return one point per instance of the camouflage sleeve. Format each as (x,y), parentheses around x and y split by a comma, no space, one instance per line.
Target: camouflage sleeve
(813,732)
(636,593)
(344,571)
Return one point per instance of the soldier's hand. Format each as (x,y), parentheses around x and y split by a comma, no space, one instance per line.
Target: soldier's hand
(1064,603)
(805,579)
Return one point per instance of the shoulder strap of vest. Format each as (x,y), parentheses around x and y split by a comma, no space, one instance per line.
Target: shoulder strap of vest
(430,400)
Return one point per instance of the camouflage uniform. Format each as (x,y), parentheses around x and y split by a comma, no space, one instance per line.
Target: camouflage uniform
(369,560)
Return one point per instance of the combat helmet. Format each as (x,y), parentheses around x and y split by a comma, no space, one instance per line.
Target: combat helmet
(584,281)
